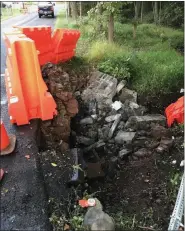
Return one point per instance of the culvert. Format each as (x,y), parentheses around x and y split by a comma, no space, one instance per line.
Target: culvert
(98,136)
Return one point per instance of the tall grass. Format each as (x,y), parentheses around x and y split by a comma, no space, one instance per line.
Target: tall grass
(151,62)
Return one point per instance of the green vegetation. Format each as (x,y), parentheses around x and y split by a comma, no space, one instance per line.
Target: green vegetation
(149,56)
(7,13)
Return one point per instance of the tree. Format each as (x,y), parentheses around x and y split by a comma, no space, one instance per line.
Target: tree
(137,6)
(156,15)
(74,10)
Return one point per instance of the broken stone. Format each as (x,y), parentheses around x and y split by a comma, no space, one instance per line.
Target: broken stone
(140,142)
(152,144)
(143,152)
(72,107)
(143,122)
(114,126)
(133,109)
(127,94)
(94,170)
(165,145)
(94,117)
(158,131)
(103,89)
(116,105)
(123,137)
(121,85)
(64,96)
(112,118)
(86,121)
(121,125)
(85,140)
(124,152)
(63,146)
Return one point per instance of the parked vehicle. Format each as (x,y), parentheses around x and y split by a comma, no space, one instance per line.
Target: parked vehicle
(46,8)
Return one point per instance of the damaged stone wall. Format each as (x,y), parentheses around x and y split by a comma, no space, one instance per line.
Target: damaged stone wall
(110,132)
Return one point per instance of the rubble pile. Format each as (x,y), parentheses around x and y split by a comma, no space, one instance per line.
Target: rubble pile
(62,86)
(109,132)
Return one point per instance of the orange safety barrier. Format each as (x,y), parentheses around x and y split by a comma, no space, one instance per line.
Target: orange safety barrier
(64,44)
(7,142)
(41,35)
(175,112)
(27,93)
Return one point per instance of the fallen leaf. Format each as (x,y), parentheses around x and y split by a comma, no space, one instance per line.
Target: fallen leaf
(53,164)
(27,156)
(66,227)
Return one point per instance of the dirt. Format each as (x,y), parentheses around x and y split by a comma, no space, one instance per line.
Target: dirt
(139,195)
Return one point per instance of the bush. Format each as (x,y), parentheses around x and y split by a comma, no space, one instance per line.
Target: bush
(159,72)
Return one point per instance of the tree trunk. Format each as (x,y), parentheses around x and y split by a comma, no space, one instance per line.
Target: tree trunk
(134,31)
(69,9)
(160,12)
(156,17)
(80,10)
(99,18)
(111,28)
(74,10)
(142,11)
(137,8)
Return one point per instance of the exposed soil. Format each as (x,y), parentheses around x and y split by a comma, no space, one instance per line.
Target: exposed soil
(139,194)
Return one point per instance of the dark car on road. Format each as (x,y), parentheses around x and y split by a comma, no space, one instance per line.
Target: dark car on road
(46,8)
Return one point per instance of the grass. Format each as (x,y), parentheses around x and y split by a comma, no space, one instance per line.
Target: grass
(9,13)
(151,63)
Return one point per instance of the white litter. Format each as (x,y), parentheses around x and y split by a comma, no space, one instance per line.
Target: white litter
(182,163)
(117,105)
(174,162)
(182,90)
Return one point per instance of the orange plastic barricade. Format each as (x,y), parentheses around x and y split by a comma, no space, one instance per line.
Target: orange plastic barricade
(7,142)
(41,35)
(27,93)
(175,112)
(64,44)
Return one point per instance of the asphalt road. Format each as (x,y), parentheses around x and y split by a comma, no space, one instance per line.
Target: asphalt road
(23,197)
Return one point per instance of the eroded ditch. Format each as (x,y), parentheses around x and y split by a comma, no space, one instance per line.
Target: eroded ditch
(121,156)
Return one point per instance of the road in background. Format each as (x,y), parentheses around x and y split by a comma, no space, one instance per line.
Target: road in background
(23,199)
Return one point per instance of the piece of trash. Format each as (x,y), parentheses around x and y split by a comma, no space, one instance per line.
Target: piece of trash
(173,137)
(1,174)
(27,156)
(87,203)
(53,164)
(117,105)
(174,162)
(182,163)
(146,180)
(182,90)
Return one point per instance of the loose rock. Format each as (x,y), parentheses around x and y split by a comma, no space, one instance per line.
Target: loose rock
(143,152)
(127,94)
(86,121)
(124,152)
(144,122)
(123,137)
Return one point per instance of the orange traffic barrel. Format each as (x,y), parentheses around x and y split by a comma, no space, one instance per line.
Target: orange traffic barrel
(7,144)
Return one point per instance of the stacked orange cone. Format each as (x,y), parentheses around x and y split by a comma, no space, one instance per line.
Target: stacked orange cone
(7,143)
